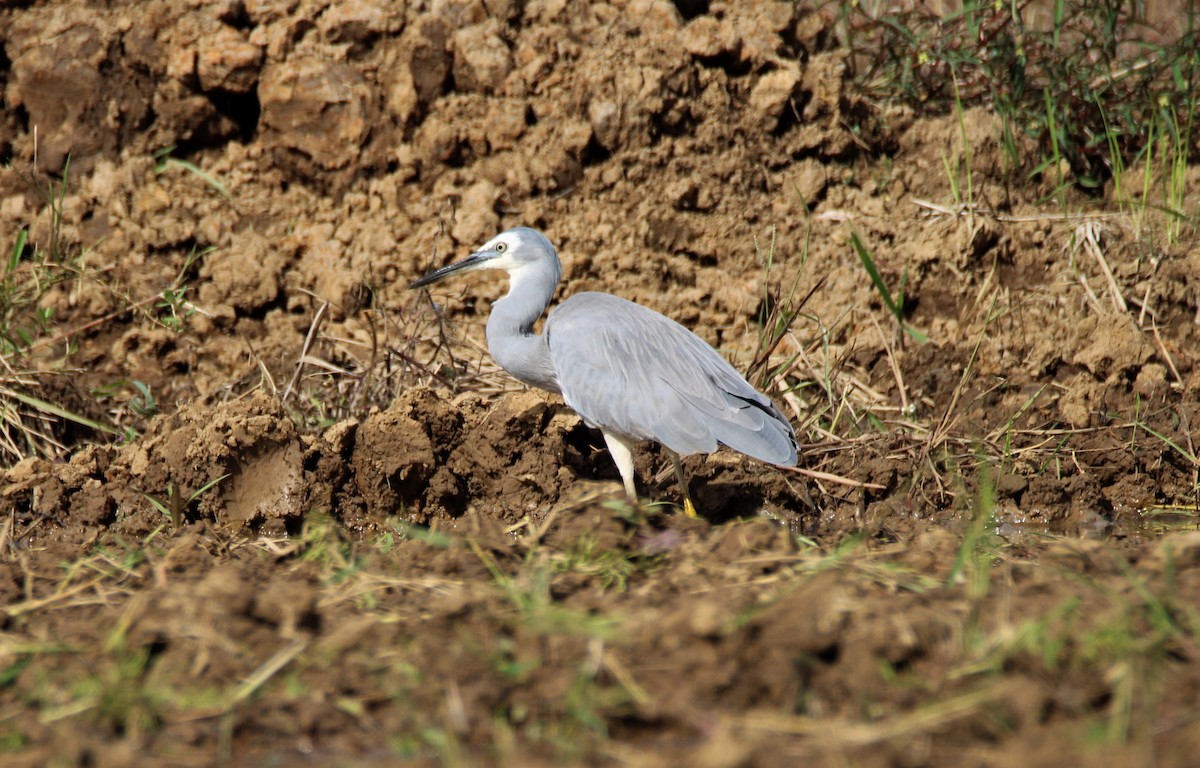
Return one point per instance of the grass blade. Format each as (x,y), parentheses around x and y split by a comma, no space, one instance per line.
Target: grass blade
(18,248)
(893,306)
(58,410)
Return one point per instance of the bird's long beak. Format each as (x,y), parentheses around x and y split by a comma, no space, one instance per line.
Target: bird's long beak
(477,260)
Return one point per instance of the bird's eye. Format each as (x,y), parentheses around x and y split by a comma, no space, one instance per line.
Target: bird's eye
(501,247)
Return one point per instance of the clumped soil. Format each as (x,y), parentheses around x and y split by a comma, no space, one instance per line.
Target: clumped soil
(405,554)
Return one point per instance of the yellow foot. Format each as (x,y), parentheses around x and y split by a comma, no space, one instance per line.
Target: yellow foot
(689,509)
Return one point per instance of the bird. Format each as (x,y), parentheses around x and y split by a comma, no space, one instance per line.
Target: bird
(631,372)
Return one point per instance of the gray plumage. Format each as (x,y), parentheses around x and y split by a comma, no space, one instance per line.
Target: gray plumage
(625,369)
(638,373)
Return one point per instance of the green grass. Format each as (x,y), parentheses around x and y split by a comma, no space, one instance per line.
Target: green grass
(1120,633)
(959,169)
(175,506)
(30,423)
(163,162)
(1088,101)
(35,346)
(1123,631)
(611,568)
(1182,448)
(32,269)
(1065,89)
(893,302)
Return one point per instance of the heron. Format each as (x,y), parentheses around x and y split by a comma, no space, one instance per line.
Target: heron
(632,373)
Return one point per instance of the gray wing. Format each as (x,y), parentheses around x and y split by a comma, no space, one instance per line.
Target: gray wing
(633,371)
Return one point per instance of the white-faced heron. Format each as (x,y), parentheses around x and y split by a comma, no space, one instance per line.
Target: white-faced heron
(627,370)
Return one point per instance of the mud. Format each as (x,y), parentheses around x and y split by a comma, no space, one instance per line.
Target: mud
(387,548)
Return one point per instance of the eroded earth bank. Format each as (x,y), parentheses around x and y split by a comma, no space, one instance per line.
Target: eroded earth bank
(317,525)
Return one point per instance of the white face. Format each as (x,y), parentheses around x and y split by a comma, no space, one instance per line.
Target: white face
(504,246)
(513,251)
(509,252)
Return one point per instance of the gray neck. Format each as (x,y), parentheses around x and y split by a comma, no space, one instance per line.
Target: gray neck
(511,340)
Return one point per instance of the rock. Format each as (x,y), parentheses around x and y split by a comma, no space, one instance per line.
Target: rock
(1152,378)
(707,37)
(773,93)
(1120,347)
(262,12)
(80,96)
(360,22)
(476,218)
(227,61)
(481,58)
(316,107)
(401,99)
(393,460)
(606,122)
(652,14)
(576,134)
(244,277)
(428,61)
(506,124)
(823,78)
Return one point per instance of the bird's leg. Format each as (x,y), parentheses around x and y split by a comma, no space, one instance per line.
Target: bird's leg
(621,450)
(689,508)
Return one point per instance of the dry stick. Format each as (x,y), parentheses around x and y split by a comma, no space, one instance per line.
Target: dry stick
(965,209)
(6,533)
(824,378)
(1146,307)
(1068,217)
(99,321)
(887,347)
(1187,432)
(817,474)
(308,343)
(790,397)
(764,355)
(1083,281)
(1060,432)
(27,606)
(1091,244)
(262,368)
(976,210)
(27,574)
(368,583)
(940,433)
(319,362)
(622,675)
(1119,74)
(846,733)
(1078,466)
(1162,350)
(265,672)
(456,710)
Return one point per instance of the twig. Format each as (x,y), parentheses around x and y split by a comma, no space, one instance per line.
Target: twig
(266,671)
(925,719)
(28,606)
(308,343)
(1091,244)
(817,474)
(1083,281)
(887,347)
(1162,349)
(88,326)
(975,210)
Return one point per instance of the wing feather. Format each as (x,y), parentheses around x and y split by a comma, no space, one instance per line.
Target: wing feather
(631,370)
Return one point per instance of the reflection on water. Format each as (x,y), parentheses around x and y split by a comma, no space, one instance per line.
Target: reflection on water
(1150,522)
(1161,520)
